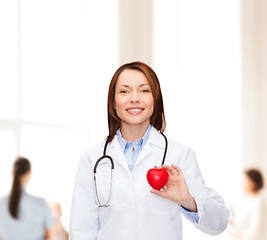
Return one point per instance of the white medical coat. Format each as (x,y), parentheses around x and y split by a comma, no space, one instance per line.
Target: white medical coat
(135,213)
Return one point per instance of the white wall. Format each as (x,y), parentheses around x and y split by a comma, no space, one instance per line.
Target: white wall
(198,61)
(57,58)
(254,71)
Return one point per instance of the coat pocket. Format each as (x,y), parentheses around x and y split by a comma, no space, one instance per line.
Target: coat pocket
(161,206)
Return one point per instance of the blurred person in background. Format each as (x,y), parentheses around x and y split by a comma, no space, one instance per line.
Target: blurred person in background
(23,216)
(58,231)
(247,219)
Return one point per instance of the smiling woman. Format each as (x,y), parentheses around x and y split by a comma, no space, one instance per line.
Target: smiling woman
(134,145)
(134,103)
(145,81)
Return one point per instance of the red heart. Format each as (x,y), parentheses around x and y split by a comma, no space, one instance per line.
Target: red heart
(157,178)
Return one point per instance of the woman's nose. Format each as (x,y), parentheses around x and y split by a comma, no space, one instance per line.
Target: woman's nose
(134,97)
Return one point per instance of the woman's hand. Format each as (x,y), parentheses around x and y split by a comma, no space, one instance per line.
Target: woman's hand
(176,189)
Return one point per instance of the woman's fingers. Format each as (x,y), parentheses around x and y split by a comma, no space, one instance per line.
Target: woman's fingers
(166,167)
(169,169)
(178,170)
(173,170)
(158,192)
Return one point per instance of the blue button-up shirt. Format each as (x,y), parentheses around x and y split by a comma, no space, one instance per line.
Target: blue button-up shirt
(34,218)
(132,150)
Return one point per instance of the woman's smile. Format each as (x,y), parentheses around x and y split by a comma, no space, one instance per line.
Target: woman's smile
(134,110)
(134,102)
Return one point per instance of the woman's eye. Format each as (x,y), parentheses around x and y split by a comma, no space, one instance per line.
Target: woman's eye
(145,90)
(123,91)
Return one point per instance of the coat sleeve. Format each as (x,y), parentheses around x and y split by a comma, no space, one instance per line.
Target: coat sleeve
(84,223)
(213,214)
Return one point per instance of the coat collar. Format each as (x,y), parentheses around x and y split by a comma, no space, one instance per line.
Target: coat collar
(155,139)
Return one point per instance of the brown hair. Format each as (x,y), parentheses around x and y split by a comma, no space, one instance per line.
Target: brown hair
(256,177)
(21,167)
(157,119)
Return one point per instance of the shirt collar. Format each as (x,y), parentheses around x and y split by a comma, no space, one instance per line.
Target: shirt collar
(124,144)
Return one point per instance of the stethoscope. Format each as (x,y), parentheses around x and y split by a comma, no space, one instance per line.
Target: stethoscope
(107,204)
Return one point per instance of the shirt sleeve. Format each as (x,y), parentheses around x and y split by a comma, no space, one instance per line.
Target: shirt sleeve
(49,220)
(252,219)
(192,216)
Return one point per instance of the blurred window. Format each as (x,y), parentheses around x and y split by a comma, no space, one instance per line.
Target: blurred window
(53,56)
(197,56)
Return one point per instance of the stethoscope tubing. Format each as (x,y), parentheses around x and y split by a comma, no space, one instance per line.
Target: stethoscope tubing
(112,170)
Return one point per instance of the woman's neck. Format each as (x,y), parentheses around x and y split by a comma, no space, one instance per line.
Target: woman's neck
(253,194)
(132,132)
(24,179)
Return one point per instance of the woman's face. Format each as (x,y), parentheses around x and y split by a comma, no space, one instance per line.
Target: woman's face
(248,184)
(134,103)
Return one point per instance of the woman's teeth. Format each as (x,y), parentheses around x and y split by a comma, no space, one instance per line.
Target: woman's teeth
(134,110)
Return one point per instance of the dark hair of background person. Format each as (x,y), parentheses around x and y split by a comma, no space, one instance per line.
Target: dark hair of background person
(21,167)
(257,178)
(157,119)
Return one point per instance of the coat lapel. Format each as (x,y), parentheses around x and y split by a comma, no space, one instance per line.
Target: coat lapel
(155,139)
(114,150)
